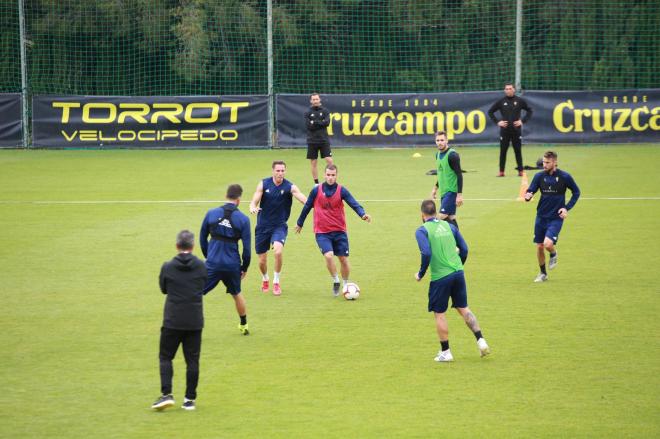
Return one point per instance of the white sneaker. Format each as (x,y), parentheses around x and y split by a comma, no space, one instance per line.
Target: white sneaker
(444,356)
(553,262)
(483,347)
(541,277)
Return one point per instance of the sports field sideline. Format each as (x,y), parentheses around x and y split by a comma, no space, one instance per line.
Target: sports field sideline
(85,233)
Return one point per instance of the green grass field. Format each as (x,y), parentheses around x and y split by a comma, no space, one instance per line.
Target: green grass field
(85,233)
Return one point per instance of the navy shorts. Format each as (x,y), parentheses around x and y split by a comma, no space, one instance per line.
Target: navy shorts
(264,237)
(547,228)
(448,203)
(313,150)
(449,286)
(231,279)
(336,242)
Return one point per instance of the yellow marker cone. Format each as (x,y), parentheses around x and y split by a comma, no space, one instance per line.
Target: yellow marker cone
(416,155)
(524,185)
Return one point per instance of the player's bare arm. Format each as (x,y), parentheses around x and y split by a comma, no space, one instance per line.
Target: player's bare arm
(298,194)
(459,199)
(256,198)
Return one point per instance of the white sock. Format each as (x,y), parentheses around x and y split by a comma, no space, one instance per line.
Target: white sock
(335,278)
(276,277)
(264,277)
(345,281)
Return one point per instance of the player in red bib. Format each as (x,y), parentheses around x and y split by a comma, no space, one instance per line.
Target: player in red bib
(327,200)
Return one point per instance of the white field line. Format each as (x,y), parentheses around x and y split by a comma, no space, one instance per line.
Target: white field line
(402,200)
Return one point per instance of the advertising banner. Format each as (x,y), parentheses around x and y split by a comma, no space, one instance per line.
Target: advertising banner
(619,116)
(381,120)
(391,119)
(150,122)
(11,126)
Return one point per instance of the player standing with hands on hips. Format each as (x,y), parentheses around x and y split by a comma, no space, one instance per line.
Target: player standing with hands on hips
(552,209)
(317,120)
(437,242)
(450,179)
(510,107)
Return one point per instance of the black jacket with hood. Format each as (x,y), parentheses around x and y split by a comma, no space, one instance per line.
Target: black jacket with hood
(183,280)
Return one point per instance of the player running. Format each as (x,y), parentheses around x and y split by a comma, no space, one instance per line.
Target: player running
(272,201)
(227,225)
(551,210)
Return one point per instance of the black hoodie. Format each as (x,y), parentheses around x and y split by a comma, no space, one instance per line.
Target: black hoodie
(183,280)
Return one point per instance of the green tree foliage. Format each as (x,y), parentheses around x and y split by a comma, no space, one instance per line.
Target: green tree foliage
(173,47)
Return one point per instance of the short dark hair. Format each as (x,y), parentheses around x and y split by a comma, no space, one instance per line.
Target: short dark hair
(428,207)
(550,155)
(440,133)
(331,167)
(185,240)
(315,94)
(278,162)
(234,192)
(509,83)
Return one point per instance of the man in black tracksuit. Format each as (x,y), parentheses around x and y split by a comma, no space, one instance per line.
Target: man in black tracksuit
(182,279)
(317,120)
(510,107)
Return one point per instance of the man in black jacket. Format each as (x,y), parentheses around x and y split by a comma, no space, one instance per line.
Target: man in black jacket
(317,120)
(182,279)
(510,107)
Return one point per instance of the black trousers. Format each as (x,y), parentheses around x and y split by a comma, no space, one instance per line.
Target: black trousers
(170,339)
(512,136)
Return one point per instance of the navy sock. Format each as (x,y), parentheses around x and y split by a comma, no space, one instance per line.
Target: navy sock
(316,181)
(552,255)
(542,267)
(243,320)
(478,335)
(444,345)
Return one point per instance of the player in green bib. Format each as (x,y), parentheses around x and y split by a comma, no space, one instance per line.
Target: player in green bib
(450,179)
(438,243)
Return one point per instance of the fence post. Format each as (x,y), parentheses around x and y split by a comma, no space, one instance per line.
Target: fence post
(519,4)
(271,96)
(24,82)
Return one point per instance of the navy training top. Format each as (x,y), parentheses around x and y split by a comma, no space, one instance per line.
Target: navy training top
(221,251)
(275,203)
(553,192)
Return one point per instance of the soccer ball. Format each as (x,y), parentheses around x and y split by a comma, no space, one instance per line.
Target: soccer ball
(351,291)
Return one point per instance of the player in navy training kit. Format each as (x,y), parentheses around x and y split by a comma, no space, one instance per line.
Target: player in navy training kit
(330,223)
(227,225)
(438,243)
(551,210)
(272,202)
